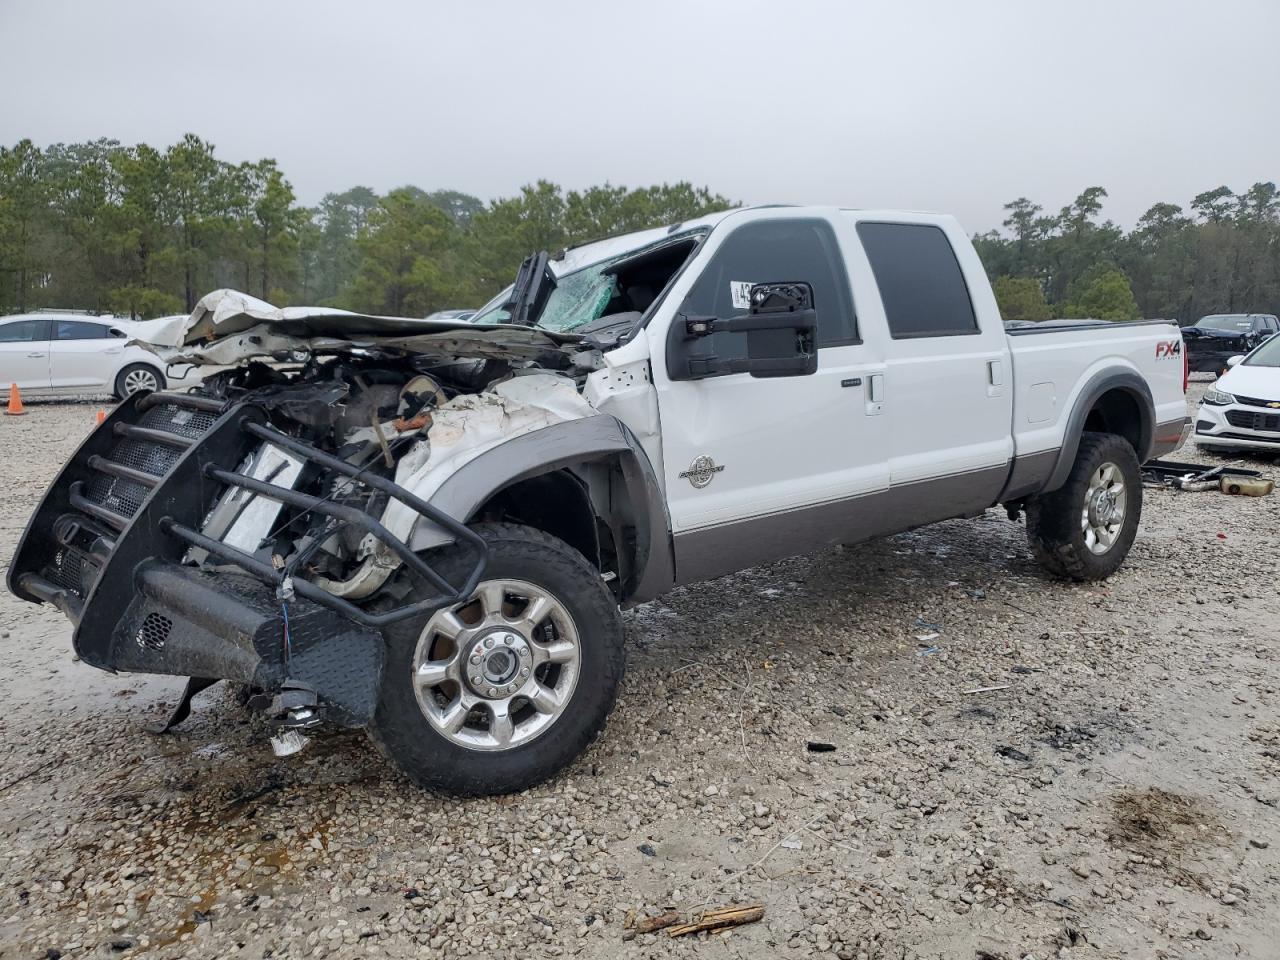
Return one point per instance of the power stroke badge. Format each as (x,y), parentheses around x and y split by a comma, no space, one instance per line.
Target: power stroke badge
(701,472)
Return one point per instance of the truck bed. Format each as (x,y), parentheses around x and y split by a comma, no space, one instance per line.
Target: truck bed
(1056,363)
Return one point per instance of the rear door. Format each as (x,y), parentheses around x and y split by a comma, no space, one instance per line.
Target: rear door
(757,467)
(947,389)
(24,354)
(85,355)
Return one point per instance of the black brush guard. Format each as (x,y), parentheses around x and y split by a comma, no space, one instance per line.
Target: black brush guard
(107,543)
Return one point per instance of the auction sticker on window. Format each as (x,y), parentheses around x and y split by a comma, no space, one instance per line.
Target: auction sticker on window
(740,293)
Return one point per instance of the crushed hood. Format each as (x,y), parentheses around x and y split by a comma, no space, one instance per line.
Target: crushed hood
(228,326)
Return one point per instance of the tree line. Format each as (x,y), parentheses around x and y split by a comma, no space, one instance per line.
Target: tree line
(144,232)
(141,231)
(1222,255)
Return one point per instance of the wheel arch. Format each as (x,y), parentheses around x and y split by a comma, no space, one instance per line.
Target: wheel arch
(1116,401)
(586,481)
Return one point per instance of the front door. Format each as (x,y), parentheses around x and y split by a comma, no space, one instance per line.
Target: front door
(24,355)
(759,468)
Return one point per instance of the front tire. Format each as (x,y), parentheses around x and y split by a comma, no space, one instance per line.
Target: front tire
(1083,531)
(138,378)
(503,691)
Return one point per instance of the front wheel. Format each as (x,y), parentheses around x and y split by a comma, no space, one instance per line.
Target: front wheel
(1083,531)
(138,378)
(501,692)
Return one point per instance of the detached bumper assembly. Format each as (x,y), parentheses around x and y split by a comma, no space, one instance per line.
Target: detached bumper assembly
(118,544)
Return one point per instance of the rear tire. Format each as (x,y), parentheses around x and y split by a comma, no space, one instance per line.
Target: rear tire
(138,378)
(459,713)
(1075,532)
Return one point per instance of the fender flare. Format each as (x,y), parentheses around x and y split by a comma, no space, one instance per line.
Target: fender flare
(1103,382)
(592,439)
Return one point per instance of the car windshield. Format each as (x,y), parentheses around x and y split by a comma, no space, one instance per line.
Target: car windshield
(1225,322)
(577,299)
(1267,355)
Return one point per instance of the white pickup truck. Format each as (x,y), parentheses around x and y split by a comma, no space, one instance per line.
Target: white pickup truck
(428,528)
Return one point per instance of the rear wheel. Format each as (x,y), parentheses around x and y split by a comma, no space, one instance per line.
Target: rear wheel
(1083,531)
(138,378)
(501,692)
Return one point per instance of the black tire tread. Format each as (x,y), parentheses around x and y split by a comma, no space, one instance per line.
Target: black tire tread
(533,549)
(1053,518)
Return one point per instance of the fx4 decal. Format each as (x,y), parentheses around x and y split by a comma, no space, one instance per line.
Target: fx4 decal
(1168,348)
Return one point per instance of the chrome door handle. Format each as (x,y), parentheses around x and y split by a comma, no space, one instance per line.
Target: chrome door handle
(875,395)
(877,388)
(995,378)
(35,356)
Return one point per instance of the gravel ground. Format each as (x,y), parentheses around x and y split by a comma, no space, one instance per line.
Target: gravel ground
(1115,797)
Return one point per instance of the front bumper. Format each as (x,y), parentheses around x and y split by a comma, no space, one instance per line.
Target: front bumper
(1238,425)
(1213,360)
(117,545)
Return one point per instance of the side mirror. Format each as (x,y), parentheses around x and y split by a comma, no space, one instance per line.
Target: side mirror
(1232,361)
(780,333)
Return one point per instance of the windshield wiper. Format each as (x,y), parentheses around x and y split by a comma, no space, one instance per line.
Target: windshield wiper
(534,283)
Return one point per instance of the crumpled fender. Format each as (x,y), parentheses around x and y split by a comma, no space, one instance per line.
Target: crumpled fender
(593,439)
(461,430)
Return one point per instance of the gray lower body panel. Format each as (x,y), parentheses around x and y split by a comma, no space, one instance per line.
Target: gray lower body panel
(715,551)
(1029,474)
(1169,436)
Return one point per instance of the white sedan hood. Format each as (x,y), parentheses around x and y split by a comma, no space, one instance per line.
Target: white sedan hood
(1261,383)
(228,326)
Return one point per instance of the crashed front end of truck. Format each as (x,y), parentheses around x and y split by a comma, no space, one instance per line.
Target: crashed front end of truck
(269,526)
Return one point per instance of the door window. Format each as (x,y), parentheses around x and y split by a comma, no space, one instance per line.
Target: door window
(921,285)
(24,331)
(775,251)
(81,330)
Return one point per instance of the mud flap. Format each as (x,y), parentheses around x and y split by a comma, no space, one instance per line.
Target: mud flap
(183,709)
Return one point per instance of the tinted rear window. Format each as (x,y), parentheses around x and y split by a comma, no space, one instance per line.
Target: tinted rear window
(81,330)
(921,284)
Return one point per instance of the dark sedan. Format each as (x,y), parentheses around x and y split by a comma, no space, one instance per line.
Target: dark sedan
(1213,339)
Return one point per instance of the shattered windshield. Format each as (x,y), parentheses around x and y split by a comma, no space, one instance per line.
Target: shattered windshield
(577,299)
(628,282)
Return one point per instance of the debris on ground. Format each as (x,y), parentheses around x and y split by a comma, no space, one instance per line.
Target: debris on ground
(1013,753)
(1196,478)
(639,928)
(720,919)
(1247,486)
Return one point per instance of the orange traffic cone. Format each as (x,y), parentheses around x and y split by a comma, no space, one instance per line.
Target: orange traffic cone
(16,409)
(102,414)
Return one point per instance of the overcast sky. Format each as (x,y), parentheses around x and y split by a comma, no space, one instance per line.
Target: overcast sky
(955,105)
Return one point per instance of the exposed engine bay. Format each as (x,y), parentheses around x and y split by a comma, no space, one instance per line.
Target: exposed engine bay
(336,480)
(392,417)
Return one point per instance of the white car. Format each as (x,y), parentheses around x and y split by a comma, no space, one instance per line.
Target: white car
(68,353)
(1242,409)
